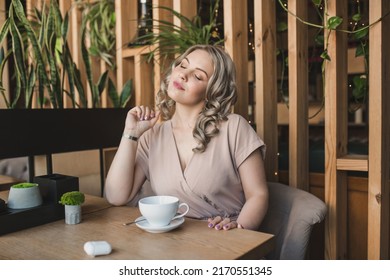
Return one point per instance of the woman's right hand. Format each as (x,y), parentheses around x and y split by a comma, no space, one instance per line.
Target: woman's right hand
(139,119)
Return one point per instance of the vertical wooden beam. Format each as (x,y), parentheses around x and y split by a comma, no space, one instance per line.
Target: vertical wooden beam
(298,96)
(187,8)
(160,14)
(336,128)
(266,83)
(143,86)
(236,44)
(379,138)
(126,28)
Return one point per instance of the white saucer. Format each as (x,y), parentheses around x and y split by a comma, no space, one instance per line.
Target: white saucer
(153,229)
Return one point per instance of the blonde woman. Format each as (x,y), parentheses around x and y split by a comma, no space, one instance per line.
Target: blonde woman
(202,153)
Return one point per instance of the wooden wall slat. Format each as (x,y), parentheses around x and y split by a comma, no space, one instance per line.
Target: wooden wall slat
(236,44)
(353,163)
(143,87)
(379,146)
(336,124)
(126,27)
(186,7)
(159,14)
(266,82)
(298,96)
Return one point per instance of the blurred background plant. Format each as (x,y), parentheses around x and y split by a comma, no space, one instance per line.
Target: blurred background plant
(39,52)
(98,20)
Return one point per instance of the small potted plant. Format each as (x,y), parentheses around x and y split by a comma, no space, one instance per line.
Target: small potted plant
(24,195)
(72,202)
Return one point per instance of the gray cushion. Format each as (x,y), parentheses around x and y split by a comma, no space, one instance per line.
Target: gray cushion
(15,167)
(290,217)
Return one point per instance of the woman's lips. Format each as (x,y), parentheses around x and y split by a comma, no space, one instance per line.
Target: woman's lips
(177,85)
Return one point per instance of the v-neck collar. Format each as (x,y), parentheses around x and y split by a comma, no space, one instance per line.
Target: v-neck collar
(178,164)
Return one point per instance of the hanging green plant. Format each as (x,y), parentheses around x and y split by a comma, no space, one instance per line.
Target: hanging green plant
(332,24)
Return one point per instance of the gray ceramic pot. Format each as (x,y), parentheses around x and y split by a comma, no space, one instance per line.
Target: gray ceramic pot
(21,198)
(72,214)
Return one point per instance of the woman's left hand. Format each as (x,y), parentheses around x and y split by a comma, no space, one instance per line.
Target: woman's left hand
(220,223)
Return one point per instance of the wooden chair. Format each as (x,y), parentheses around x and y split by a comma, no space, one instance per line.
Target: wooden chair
(291,215)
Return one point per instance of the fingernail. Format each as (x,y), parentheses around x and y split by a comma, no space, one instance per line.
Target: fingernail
(226,227)
(218,227)
(210,225)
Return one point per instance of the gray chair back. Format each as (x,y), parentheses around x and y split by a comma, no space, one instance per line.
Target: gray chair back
(291,215)
(16,168)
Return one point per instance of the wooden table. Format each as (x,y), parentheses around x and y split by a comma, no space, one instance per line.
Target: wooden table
(101,221)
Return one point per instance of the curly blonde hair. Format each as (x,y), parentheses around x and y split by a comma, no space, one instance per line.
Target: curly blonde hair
(221,95)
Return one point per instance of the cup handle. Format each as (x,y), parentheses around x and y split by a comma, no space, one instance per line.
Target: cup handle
(185,212)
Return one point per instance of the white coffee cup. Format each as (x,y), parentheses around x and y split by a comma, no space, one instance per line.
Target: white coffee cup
(160,210)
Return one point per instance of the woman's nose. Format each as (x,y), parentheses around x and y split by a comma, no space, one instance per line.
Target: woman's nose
(183,75)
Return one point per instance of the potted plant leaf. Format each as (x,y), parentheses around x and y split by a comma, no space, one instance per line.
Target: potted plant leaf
(44,67)
(72,202)
(171,39)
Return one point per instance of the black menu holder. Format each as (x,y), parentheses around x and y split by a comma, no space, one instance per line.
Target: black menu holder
(52,187)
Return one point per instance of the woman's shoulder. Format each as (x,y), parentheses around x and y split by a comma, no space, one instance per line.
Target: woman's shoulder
(236,120)
(235,117)
(243,135)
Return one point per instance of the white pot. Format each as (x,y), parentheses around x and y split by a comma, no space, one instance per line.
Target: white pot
(72,214)
(21,198)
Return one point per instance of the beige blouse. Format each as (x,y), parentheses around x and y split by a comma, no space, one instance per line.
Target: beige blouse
(210,184)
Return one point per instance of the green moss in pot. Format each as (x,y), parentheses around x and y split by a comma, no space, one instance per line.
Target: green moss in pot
(72,198)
